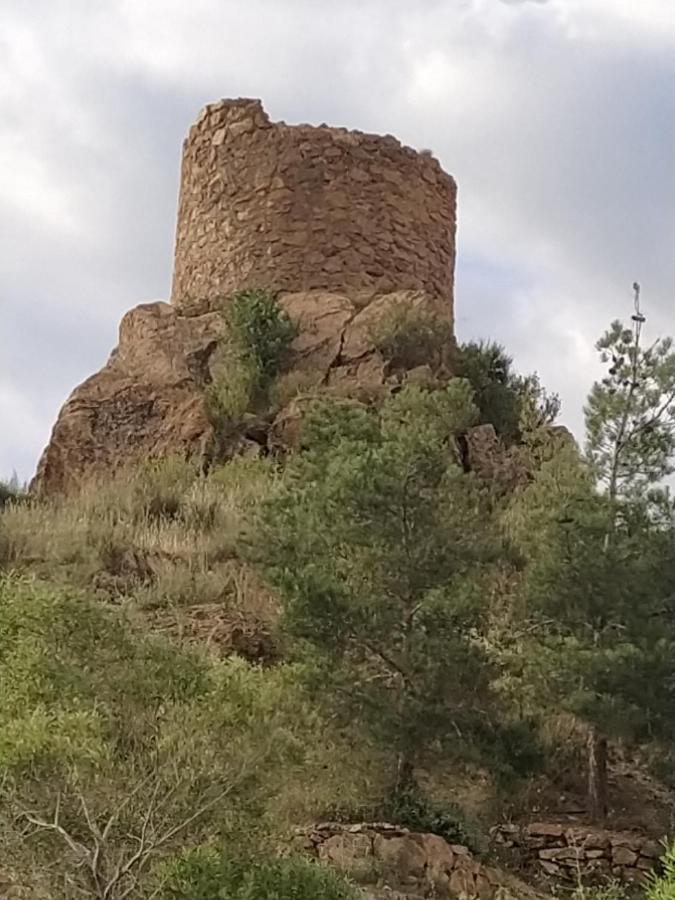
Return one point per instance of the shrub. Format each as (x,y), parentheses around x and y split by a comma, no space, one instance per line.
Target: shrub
(160,486)
(11,491)
(263,331)
(662,887)
(409,806)
(408,337)
(6,493)
(511,403)
(613,890)
(290,385)
(205,874)
(103,726)
(254,352)
(231,392)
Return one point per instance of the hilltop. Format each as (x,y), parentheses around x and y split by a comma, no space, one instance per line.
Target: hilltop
(302,580)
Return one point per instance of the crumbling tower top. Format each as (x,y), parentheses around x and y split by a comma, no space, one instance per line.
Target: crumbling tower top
(265,204)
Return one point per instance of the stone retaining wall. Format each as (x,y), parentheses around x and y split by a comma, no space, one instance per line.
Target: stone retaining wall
(385,857)
(572,852)
(293,208)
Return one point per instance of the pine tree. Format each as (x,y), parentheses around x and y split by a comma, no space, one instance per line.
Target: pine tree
(599,538)
(630,426)
(381,545)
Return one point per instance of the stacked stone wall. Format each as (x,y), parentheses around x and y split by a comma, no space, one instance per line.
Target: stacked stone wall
(295,208)
(398,864)
(574,852)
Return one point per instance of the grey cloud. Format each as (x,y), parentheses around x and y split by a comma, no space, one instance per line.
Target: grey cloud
(562,151)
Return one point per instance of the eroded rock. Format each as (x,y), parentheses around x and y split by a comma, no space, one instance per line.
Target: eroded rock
(147,401)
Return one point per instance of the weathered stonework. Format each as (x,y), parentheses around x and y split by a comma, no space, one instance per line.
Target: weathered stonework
(398,864)
(572,852)
(298,208)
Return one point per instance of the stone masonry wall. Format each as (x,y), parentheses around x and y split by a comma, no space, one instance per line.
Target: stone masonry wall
(398,864)
(567,852)
(294,208)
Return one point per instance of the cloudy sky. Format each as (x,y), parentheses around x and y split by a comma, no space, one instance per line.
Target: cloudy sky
(557,117)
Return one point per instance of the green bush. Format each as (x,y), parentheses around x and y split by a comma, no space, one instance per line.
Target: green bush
(263,331)
(613,890)
(205,874)
(511,403)
(409,806)
(232,391)
(135,748)
(408,337)
(662,887)
(254,352)
(11,491)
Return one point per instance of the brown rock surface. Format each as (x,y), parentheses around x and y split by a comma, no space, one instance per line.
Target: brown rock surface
(510,467)
(148,400)
(398,864)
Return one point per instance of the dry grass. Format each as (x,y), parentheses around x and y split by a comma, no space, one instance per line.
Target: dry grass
(163,540)
(296,383)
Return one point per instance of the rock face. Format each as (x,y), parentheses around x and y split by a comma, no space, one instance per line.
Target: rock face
(148,400)
(396,863)
(297,208)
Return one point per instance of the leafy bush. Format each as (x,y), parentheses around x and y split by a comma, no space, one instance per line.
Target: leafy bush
(254,352)
(231,393)
(205,874)
(410,807)
(6,493)
(296,383)
(408,337)
(263,331)
(662,887)
(511,403)
(11,491)
(124,746)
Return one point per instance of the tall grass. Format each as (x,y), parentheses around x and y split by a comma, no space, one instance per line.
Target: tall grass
(163,539)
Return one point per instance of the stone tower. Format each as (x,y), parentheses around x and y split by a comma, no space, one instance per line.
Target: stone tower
(348,227)
(297,208)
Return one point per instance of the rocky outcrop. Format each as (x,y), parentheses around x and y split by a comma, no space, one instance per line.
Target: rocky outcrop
(345,218)
(487,456)
(572,852)
(394,862)
(338,344)
(149,400)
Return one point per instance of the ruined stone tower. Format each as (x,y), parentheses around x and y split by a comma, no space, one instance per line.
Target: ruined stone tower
(349,228)
(265,204)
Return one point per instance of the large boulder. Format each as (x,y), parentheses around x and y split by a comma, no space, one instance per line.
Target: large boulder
(148,400)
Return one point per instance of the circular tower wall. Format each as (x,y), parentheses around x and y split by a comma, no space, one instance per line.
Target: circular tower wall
(293,208)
